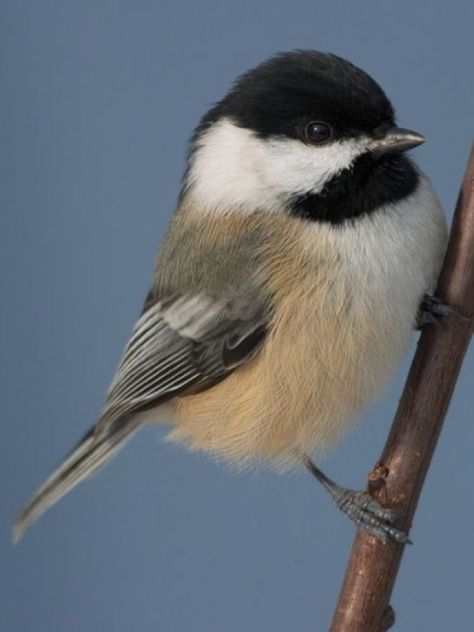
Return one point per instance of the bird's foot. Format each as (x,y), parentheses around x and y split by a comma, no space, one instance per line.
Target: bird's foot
(364,511)
(432,310)
(368,514)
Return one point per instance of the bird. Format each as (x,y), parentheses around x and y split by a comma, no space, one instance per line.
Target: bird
(304,248)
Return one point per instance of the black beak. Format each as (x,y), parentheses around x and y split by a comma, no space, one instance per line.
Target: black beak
(396,139)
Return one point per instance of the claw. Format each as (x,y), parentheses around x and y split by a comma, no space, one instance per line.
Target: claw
(432,310)
(375,508)
(364,511)
(369,515)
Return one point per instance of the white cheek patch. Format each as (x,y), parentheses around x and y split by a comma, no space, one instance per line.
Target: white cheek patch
(296,168)
(225,169)
(233,168)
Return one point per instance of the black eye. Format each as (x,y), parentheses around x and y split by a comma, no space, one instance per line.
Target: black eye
(317,132)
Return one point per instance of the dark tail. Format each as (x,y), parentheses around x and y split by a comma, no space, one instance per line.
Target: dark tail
(88,456)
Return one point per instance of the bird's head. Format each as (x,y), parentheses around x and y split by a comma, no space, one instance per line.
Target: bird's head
(305,133)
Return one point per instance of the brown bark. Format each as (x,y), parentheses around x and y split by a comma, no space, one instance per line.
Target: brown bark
(398,478)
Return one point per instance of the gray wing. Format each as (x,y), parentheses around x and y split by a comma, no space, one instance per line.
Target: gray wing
(181,343)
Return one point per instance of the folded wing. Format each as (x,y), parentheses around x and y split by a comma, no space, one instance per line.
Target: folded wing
(180,343)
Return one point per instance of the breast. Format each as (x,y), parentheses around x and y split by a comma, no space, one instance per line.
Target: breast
(346,300)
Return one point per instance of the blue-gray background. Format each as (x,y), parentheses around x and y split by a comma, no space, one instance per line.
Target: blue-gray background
(97,102)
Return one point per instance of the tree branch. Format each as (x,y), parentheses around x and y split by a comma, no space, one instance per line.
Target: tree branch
(398,478)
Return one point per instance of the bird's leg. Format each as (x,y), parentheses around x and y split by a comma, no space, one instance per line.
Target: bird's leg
(432,310)
(364,511)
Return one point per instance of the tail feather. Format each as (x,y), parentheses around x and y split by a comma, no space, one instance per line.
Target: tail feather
(87,457)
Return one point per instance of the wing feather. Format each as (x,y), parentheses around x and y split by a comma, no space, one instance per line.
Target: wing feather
(179,342)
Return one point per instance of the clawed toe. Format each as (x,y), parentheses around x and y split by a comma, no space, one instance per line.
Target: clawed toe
(369,515)
(364,511)
(432,310)
(371,506)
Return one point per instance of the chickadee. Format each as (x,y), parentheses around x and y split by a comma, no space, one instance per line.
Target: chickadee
(288,284)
